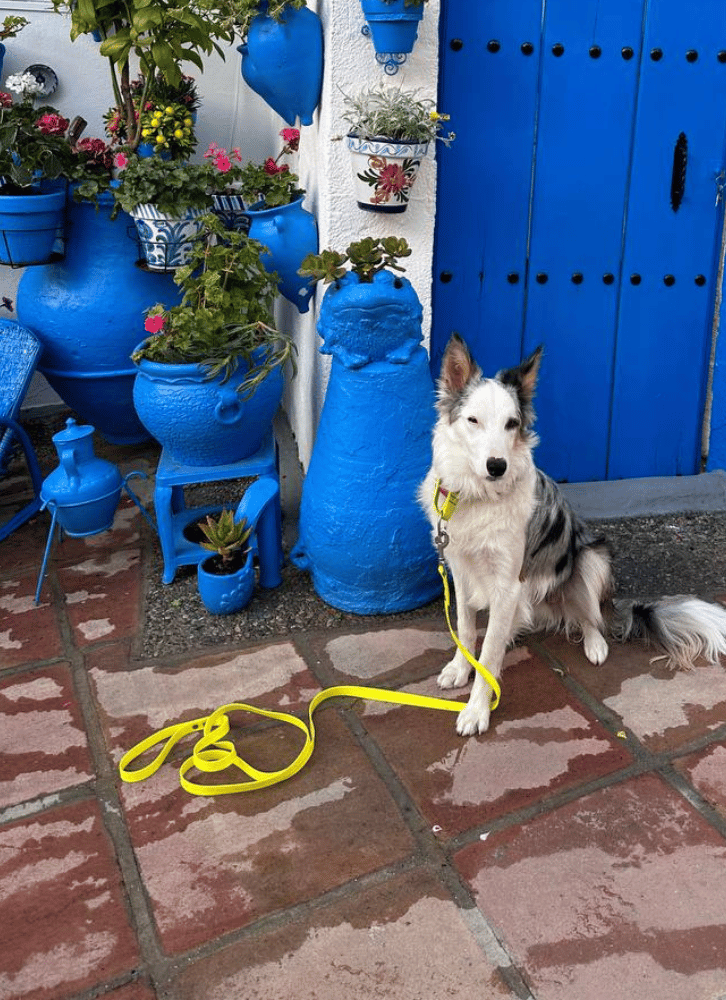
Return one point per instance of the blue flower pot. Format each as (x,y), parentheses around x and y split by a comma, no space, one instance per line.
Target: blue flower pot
(201,421)
(29,225)
(290,233)
(363,536)
(393,26)
(87,311)
(283,63)
(225,594)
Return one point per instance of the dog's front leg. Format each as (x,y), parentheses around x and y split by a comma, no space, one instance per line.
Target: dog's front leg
(456,672)
(502,614)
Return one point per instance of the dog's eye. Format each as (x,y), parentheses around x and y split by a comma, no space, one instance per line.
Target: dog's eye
(472,420)
(512,424)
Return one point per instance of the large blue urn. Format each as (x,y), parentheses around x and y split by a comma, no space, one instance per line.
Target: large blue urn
(363,536)
(88,312)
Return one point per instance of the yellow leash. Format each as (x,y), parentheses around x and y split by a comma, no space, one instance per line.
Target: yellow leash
(212,753)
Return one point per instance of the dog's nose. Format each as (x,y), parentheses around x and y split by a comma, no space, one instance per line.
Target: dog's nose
(496,467)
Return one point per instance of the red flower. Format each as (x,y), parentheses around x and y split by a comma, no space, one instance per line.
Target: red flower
(53,124)
(291,138)
(6,100)
(154,324)
(272,168)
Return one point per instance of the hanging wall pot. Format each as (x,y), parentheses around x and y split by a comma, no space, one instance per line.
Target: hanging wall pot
(166,241)
(384,172)
(86,310)
(29,226)
(393,28)
(290,233)
(283,62)
(363,536)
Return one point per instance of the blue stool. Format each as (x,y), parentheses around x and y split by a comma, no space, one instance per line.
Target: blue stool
(260,505)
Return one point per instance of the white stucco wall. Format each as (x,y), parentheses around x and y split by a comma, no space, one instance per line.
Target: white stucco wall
(233,115)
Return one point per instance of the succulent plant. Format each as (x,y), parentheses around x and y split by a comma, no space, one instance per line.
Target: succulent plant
(224,535)
(366,257)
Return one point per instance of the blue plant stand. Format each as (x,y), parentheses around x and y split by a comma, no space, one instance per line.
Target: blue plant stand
(173,516)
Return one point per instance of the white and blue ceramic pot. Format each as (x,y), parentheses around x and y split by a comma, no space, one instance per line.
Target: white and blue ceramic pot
(225,593)
(167,240)
(282,61)
(363,537)
(384,172)
(201,421)
(289,233)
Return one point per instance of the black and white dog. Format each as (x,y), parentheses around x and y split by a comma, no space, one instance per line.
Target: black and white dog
(517,548)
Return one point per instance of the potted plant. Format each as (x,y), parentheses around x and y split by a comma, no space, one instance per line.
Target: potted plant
(276,217)
(389,133)
(225,579)
(158,36)
(210,375)
(165,114)
(34,153)
(282,54)
(373,445)
(393,28)
(166,200)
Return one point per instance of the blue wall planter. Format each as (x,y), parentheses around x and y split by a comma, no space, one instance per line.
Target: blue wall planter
(363,536)
(87,310)
(290,233)
(393,29)
(283,62)
(29,225)
(201,421)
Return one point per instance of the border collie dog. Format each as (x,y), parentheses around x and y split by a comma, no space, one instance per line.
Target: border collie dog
(516,547)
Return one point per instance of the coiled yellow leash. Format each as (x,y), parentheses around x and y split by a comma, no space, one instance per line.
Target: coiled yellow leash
(212,753)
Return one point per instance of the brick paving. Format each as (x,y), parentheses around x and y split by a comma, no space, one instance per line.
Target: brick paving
(576,851)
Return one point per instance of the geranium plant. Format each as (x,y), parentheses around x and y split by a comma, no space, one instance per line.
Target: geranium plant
(366,258)
(225,313)
(394,113)
(270,184)
(171,186)
(33,144)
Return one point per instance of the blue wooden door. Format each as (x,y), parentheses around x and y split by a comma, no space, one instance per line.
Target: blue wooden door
(589,156)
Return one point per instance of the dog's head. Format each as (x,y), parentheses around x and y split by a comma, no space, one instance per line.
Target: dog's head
(485,424)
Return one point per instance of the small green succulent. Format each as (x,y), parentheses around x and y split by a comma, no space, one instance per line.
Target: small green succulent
(225,536)
(366,258)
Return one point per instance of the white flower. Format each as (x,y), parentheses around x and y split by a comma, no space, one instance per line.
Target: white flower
(24,83)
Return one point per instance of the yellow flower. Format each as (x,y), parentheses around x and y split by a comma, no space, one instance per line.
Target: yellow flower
(169,110)
(161,139)
(178,134)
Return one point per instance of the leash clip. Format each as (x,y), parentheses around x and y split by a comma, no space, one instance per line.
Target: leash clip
(441,540)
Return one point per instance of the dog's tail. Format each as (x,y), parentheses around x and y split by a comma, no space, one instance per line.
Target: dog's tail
(685,627)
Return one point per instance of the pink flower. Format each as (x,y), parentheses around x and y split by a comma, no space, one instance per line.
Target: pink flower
(120,160)
(154,324)
(272,168)
(223,163)
(291,138)
(51,124)
(6,100)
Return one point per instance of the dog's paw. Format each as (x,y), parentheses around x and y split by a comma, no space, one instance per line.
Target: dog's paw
(454,675)
(596,648)
(473,719)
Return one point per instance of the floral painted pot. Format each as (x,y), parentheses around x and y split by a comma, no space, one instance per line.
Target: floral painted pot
(283,62)
(290,233)
(201,421)
(167,241)
(225,593)
(384,172)
(29,225)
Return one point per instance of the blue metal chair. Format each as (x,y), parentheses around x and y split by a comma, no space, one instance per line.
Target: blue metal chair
(19,353)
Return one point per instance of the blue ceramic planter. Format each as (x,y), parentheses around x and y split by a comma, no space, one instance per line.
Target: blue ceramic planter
(228,593)
(290,233)
(363,536)
(283,63)
(393,28)
(87,310)
(201,421)
(29,226)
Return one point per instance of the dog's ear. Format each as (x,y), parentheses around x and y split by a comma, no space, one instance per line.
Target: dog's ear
(523,379)
(458,368)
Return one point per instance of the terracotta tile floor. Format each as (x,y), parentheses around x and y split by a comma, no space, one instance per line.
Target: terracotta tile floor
(576,852)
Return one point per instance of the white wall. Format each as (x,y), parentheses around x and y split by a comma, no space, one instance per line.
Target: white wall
(233,115)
